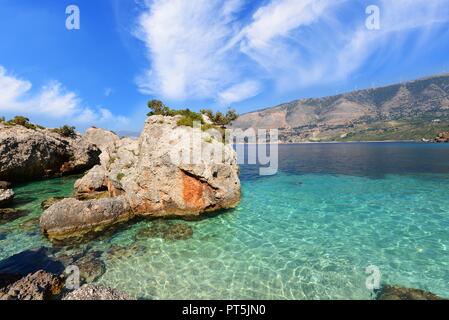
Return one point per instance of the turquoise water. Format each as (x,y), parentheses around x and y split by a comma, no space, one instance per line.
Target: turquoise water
(308,232)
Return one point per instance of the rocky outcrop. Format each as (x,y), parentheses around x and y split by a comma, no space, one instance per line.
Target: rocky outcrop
(153,176)
(40,285)
(443,137)
(5,185)
(147,171)
(388,292)
(71,217)
(96,292)
(6,197)
(29,154)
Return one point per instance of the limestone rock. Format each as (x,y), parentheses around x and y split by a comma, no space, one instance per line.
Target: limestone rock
(94,180)
(30,154)
(96,292)
(6,196)
(5,185)
(147,173)
(71,217)
(399,293)
(50,201)
(35,286)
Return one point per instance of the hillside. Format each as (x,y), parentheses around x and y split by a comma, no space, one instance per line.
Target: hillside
(408,111)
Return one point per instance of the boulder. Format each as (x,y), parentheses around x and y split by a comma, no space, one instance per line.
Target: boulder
(6,197)
(71,217)
(95,292)
(388,292)
(147,178)
(5,185)
(94,180)
(40,285)
(30,154)
(10,214)
(147,171)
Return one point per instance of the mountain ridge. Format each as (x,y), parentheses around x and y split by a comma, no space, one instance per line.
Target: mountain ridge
(409,110)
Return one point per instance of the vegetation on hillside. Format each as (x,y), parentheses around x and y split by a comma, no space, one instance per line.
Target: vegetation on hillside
(20,121)
(65,131)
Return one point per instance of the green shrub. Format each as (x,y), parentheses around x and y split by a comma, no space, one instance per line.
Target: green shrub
(2,120)
(24,122)
(65,131)
(120,176)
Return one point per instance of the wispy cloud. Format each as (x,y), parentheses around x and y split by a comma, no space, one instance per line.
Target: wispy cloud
(207,49)
(239,92)
(52,103)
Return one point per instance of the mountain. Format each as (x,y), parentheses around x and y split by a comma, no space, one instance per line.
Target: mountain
(407,111)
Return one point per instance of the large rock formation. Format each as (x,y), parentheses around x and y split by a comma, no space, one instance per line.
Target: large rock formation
(28,154)
(170,171)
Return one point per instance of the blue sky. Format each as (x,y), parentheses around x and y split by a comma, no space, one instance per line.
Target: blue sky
(205,53)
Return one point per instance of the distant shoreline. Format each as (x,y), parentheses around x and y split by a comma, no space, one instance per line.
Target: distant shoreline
(346,142)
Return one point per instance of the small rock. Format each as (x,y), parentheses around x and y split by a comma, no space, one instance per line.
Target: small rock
(40,285)
(5,185)
(51,201)
(9,214)
(91,267)
(399,293)
(96,292)
(6,196)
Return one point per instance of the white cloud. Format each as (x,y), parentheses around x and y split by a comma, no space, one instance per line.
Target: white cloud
(52,103)
(239,92)
(184,41)
(205,49)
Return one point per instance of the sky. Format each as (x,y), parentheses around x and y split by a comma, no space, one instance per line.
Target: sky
(196,54)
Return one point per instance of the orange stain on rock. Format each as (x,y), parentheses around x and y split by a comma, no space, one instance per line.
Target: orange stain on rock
(193,192)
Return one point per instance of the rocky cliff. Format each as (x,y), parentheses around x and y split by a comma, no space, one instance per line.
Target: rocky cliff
(407,111)
(143,177)
(29,154)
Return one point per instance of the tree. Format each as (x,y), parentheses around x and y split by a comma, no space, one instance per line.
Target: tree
(158,108)
(66,131)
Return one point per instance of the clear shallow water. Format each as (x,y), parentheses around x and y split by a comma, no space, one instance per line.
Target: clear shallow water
(307,233)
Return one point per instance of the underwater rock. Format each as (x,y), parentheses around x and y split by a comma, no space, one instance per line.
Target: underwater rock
(165,230)
(50,201)
(388,292)
(30,225)
(91,267)
(71,217)
(96,292)
(9,214)
(6,197)
(40,285)
(178,231)
(120,252)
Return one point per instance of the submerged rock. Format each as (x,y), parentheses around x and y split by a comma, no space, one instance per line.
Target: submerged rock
(40,285)
(91,267)
(71,217)
(6,197)
(51,201)
(96,292)
(399,293)
(122,252)
(30,154)
(30,225)
(165,230)
(9,214)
